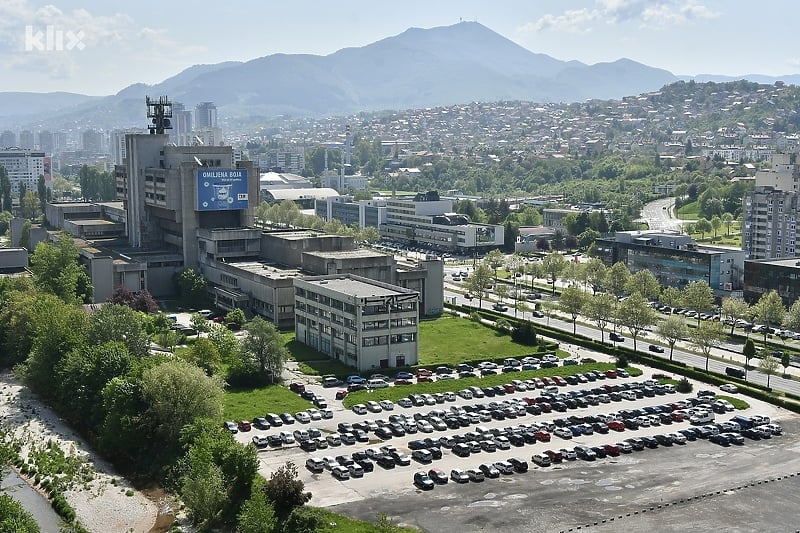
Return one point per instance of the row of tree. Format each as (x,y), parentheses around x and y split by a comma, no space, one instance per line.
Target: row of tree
(287,214)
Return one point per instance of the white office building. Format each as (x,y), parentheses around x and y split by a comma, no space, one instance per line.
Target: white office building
(360,322)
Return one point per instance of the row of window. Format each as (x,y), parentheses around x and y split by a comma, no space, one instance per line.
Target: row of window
(380,340)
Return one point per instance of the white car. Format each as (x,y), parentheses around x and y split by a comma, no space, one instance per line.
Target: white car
(303,417)
(286,437)
(465,393)
(405,402)
(387,405)
(729,387)
(314,413)
(360,409)
(374,406)
(424,426)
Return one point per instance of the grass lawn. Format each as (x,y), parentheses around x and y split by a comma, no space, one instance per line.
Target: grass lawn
(395,393)
(246,404)
(690,211)
(738,403)
(450,340)
(338,523)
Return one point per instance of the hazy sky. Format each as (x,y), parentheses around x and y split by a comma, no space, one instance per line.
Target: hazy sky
(107,45)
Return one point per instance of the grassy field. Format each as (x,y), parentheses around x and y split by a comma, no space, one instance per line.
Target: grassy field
(450,340)
(338,523)
(246,404)
(395,393)
(690,211)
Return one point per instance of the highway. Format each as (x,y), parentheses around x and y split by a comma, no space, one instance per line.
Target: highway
(660,215)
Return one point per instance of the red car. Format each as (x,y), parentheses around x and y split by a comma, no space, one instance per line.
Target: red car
(528,400)
(425,379)
(548,382)
(403,382)
(340,394)
(424,372)
(676,416)
(561,382)
(545,407)
(297,387)
(611,374)
(509,387)
(616,425)
(542,436)
(244,425)
(611,449)
(555,457)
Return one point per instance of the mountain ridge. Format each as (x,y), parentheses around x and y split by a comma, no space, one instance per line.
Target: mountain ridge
(419,67)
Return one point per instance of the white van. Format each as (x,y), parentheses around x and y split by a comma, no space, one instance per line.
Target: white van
(376,384)
(703,417)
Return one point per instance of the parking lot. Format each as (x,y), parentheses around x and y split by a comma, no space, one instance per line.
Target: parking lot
(577,492)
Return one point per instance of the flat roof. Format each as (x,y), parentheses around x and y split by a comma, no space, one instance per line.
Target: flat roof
(355,287)
(793,262)
(350,254)
(265,268)
(94,222)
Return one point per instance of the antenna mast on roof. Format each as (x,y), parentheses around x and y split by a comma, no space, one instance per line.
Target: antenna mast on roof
(160,114)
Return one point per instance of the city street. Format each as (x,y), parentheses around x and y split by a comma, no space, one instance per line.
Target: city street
(660,215)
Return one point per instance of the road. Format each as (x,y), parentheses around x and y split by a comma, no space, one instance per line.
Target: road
(681,353)
(659,215)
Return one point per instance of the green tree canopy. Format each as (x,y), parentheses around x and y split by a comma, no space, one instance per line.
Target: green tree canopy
(55,268)
(672,329)
(263,351)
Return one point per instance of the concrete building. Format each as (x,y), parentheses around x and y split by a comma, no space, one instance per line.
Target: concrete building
(8,139)
(429,222)
(362,213)
(283,180)
(13,262)
(92,141)
(182,125)
(291,159)
(26,140)
(770,211)
(360,322)
(304,197)
(46,141)
(765,275)
(205,115)
(675,260)
(116,143)
(23,167)
(173,192)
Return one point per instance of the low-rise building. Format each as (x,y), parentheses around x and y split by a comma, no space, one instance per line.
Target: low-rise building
(765,275)
(675,260)
(360,322)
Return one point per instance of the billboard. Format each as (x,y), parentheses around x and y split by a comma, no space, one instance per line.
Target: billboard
(221,189)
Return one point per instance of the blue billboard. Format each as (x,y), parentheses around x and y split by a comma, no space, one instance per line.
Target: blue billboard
(221,189)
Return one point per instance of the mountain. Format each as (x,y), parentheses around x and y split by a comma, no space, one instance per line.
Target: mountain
(418,68)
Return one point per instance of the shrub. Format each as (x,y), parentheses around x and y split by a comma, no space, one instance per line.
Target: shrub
(524,333)
(684,386)
(622,361)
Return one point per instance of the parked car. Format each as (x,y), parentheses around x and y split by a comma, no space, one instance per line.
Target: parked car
(459,476)
(655,348)
(230,425)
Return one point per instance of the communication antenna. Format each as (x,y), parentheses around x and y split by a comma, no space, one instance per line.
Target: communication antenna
(160,114)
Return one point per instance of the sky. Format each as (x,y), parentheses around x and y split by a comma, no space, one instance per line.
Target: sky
(99,47)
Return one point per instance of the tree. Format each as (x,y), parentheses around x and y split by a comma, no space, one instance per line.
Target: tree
(29,205)
(768,310)
(792,318)
(237,317)
(42,192)
(559,240)
(617,278)
(736,309)
(571,302)
(698,295)
(636,315)
(119,323)
(286,490)
(553,265)
(384,524)
(502,291)
(600,310)
(205,355)
(176,393)
(257,515)
(56,270)
(14,517)
(716,223)
(5,190)
(672,329)
(5,221)
(263,349)
(769,366)
(191,287)
(596,273)
(727,219)
(494,260)
(706,336)
(702,226)
(137,300)
(199,323)
(644,283)
(671,296)
(785,362)
(749,351)
(587,238)
(479,281)
(228,346)
(202,487)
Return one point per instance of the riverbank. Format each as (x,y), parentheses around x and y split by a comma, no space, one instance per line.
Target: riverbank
(107,502)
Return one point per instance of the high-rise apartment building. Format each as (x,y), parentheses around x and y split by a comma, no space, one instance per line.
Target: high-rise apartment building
(770,211)
(23,167)
(46,141)
(91,141)
(26,140)
(205,115)
(8,139)
(181,133)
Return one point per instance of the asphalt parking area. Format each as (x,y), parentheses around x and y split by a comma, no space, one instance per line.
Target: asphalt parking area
(700,486)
